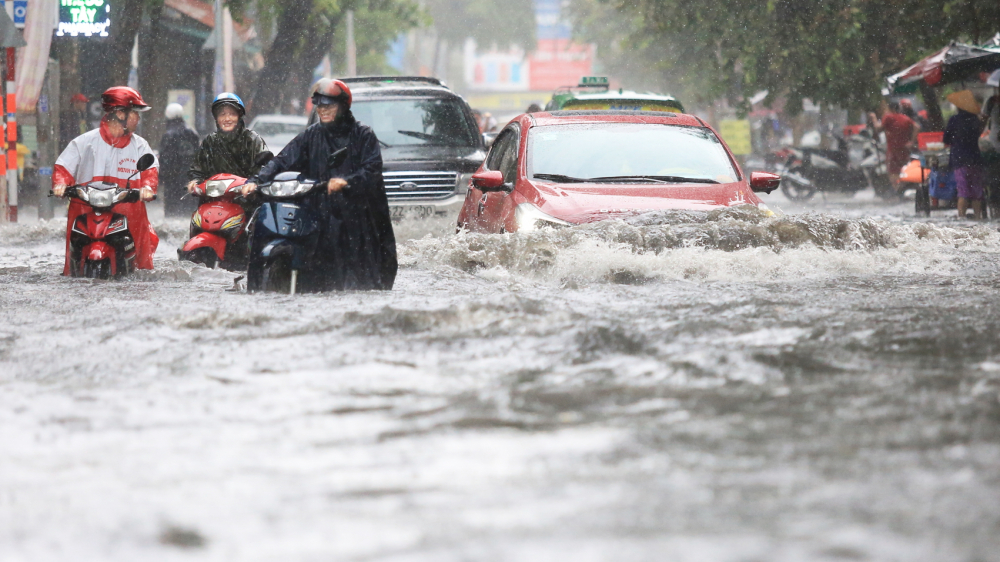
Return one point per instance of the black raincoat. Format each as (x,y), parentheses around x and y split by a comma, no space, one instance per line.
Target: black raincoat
(357,247)
(227,153)
(177,149)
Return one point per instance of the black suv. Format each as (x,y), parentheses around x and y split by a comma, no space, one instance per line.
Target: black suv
(430,141)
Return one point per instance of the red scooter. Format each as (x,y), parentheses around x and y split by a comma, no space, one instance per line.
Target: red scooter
(217,227)
(218,224)
(100,244)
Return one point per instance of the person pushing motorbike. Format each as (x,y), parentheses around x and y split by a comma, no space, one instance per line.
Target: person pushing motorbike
(109,154)
(231,149)
(356,248)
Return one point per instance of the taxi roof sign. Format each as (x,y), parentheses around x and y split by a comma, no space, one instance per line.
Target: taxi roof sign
(593,81)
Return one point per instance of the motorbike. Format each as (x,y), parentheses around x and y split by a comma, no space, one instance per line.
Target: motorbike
(217,225)
(100,244)
(283,233)
(857,163)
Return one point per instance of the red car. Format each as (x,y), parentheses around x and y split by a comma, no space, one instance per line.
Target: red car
(574,167)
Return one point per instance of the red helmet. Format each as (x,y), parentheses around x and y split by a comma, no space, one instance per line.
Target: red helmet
(330,90)
(79,97)
(122,97)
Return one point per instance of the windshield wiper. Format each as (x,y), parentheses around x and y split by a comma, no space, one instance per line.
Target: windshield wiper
(560,178)
(385,144)
(419,135)
(660,179)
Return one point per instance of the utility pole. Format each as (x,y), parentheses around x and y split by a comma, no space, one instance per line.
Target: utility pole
(352,49)
(10,38)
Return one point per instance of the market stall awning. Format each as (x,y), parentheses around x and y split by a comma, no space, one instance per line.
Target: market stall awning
(954,63)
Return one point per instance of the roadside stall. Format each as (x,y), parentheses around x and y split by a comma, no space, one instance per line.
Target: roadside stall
(956,63)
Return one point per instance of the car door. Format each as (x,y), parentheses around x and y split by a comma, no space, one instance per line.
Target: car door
(506,163)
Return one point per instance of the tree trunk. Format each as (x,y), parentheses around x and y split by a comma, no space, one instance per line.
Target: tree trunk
(280,58)
(318,41)
(154,72)
(126,18)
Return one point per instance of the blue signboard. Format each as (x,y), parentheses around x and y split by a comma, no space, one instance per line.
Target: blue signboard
(549,21)
(20,11)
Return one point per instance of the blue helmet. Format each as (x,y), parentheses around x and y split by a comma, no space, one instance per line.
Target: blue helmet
(230,99)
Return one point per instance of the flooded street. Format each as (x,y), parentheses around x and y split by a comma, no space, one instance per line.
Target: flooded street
(714,387)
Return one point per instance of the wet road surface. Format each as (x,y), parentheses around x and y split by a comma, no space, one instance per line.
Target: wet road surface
(824,385)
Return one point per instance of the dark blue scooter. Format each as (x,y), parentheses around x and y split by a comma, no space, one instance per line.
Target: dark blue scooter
(284,232)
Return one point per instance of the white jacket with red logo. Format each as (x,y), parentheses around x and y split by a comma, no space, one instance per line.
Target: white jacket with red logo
(96,156)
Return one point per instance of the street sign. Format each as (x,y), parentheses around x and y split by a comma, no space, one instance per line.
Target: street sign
(18,11)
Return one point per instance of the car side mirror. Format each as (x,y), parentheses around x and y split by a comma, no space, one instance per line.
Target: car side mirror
(263,158)
(145,162)
(764,181)
(488,180)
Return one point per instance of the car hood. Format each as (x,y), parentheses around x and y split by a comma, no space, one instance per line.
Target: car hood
(582,203)
(430,157)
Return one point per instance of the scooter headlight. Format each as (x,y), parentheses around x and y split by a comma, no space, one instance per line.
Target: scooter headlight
(101,198)
(530,217)
(217,188)
(289,188)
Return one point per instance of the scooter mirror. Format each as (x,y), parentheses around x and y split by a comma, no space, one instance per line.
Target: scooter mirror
(145,162)
(263,158)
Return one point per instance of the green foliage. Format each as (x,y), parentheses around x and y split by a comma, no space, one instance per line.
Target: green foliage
(500,22)
(377,23)
(832,51)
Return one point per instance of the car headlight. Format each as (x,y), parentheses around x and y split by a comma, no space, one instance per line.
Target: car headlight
(217,188)
(102,198)
(462,183)
(529,217)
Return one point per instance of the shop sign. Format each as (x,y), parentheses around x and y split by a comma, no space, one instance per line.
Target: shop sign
(88,18)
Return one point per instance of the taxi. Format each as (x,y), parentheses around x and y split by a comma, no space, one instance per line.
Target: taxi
(594,93)
(562,168)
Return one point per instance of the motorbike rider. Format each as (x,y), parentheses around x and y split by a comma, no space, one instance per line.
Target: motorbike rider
(177,149)
(357,247)
(109,154)
(231,149)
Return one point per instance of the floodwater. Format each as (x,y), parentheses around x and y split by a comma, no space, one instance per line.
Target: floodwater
(710,387)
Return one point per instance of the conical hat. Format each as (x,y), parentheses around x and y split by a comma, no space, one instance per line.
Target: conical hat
(965,101)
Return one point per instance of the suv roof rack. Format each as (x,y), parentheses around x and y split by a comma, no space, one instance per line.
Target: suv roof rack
(424,79)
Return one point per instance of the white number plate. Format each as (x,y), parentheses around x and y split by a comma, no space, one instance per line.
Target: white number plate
(411,211)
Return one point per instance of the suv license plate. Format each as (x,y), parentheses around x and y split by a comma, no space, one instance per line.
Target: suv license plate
(411,211)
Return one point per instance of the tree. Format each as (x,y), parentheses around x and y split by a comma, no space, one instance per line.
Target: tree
(305,32)
(833,52)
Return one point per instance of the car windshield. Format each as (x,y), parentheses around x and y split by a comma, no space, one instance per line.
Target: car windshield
(417,121)
(628,150)
(271,128)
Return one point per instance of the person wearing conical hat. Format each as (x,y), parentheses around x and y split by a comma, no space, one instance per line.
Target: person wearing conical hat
(962,135)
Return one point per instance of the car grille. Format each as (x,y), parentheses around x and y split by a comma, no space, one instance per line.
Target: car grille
(400,186)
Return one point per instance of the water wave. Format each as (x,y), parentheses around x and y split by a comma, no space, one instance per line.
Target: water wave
(729,244)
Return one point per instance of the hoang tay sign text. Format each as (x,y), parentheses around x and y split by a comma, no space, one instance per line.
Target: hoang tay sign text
(84,17)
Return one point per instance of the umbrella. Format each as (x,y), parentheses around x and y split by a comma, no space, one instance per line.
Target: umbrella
(954,63)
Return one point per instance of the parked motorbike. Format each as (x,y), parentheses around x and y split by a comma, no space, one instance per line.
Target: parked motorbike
(857,163)
(283,233)
(100,245)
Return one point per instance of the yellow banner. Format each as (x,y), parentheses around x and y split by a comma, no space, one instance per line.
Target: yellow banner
(736,133)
